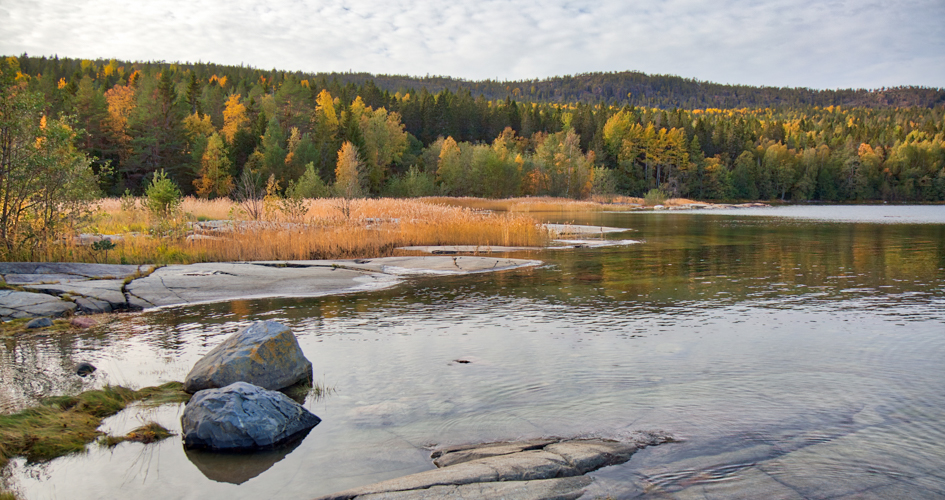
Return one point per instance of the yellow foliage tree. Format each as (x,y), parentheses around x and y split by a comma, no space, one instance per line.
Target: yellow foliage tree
(348,172)
(121,103)
(215,175)
(234,117)
(325,108)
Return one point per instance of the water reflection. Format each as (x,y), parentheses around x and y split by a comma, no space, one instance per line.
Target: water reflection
(237,468)
(776,348)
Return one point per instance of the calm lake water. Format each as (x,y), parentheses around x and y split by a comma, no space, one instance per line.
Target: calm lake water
(797,353)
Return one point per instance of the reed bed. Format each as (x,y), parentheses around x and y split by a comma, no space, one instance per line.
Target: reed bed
(220,231)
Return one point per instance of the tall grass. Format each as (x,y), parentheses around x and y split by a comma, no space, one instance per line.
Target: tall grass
(372,228)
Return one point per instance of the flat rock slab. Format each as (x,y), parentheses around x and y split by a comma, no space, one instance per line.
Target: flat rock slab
(93,288)
(455,249)
(16,304)
(519,470)
(216,282)
(566,488)
(561,229)
(99,295)
(21,273)
(96,288)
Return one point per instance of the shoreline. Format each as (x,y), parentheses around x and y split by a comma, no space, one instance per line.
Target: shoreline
(65,289)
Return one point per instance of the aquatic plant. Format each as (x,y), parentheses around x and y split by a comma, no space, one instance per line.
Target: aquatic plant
(65,424)
(150,432)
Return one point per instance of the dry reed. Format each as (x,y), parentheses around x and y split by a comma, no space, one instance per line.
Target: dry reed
(373,228)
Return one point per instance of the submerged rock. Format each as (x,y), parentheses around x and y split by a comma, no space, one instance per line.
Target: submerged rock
(265,353)
(243,416)
(83,369)
(525,470)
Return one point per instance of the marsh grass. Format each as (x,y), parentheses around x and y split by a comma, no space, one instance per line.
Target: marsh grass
(65,424)
(148,433)
(368,228)
(300,391)
(62,325)
(18,326)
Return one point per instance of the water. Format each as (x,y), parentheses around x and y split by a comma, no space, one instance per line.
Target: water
(795,358)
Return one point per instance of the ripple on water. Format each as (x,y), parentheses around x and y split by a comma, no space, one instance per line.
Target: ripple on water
(792,360)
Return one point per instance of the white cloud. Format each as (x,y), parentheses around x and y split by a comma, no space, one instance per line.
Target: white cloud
(822,44)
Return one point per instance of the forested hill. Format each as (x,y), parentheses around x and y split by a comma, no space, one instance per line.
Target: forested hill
(658,91)
(618,88)
(208,126)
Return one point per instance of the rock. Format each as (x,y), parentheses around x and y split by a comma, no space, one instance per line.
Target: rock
(459,454)
(566,488)
(83,369)
(91,296)
(38,272)
(83,322)
(265,353)
(215,282)
(15,304)
(518,470)
(243,416)
(39,323)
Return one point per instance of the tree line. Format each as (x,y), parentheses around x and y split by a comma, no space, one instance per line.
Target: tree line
(211,128)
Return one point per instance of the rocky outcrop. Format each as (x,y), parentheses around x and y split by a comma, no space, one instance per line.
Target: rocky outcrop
(16,304)
(526,470)
(265,354)
(63,287)
(243,416)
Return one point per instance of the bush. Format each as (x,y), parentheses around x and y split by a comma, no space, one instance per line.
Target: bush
(163,196)
(655,197)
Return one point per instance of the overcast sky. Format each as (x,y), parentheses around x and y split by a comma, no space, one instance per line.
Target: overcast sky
(793,43)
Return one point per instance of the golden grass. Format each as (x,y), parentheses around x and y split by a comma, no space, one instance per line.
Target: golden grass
(320,230)
(373,228)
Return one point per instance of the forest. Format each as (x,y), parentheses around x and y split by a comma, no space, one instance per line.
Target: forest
(212,129)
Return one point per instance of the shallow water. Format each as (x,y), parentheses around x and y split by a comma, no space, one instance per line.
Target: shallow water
(795,358)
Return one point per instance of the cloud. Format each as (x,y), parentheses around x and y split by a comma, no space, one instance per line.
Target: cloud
(822,44)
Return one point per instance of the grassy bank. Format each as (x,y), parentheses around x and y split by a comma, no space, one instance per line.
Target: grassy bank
(312,229)
(65,424)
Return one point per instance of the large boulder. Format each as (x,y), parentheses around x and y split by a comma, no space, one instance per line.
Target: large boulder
(265,353)
(243,416)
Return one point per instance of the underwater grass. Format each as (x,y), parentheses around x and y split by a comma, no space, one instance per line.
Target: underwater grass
(65,424)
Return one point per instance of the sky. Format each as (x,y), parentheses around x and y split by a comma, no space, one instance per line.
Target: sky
(820,44)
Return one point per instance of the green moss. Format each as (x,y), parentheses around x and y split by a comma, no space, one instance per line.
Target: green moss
(65,424)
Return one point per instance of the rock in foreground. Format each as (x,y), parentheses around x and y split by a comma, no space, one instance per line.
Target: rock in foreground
(265,353)
(527,470)
(242,416)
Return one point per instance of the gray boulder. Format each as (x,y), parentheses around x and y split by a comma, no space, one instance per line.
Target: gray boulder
(39,323)
(265,353)
(243,416)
